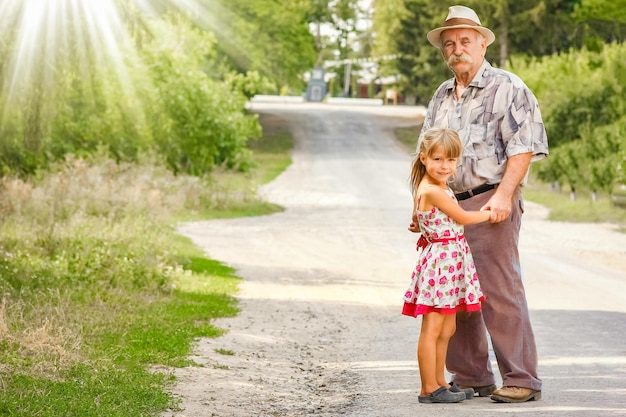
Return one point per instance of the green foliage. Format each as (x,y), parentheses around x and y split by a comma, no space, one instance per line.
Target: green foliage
(386,23)
(420,64)
(151,93)
(602,21)
(85,392)
(272,38)
(202,124)
(583,209)
(528,27)
(609,11)
(248,84)
(582,98)
(341,17)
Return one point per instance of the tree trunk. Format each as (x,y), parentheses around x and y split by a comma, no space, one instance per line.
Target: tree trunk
(318,41)
(504,37)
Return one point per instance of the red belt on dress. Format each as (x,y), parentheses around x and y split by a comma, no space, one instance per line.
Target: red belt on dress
(422,242)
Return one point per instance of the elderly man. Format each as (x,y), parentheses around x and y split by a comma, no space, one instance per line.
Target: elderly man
(500,124)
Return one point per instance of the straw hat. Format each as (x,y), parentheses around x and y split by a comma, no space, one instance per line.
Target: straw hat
(460,17)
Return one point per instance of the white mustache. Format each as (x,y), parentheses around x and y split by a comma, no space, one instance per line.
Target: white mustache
(460,58)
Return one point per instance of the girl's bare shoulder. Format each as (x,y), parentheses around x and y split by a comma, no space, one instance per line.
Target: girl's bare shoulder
(430,190)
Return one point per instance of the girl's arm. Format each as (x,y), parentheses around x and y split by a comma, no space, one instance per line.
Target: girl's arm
(435,196)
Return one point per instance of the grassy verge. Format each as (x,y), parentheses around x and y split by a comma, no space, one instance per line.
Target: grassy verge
(98,293)
(582,209)
(562,208)
(407,136)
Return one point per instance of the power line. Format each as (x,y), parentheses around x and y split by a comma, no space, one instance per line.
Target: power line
(331,63)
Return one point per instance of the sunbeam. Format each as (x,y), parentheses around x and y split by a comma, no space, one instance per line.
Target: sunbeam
(44,38)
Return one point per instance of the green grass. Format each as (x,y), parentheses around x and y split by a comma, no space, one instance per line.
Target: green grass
(121,331)
(86,390)
(272,153)
(100,296)
(226,352)
(407,136)
(582,209)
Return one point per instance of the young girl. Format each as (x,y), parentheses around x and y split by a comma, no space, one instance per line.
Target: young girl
(444,280)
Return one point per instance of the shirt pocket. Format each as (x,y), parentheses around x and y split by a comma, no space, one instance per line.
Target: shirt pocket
(482,139)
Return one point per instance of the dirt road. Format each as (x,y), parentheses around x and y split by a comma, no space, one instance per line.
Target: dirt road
(320,331)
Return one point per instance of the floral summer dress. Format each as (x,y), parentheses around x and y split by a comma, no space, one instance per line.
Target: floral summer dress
(444,279)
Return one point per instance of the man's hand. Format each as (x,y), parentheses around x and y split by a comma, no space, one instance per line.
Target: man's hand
(500,206)
(501,202)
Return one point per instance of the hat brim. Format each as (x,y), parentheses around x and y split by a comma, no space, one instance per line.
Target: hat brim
(434,36)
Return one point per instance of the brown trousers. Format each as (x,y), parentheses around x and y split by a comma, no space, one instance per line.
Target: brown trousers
(504,312)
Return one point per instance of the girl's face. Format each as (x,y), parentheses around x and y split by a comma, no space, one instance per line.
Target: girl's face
(438,166)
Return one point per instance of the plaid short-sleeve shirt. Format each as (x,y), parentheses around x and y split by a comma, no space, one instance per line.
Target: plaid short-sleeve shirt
(497,117)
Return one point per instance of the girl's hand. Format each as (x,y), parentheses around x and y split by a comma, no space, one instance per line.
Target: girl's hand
(414,226)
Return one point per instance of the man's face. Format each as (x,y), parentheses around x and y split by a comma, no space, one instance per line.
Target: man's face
(463,49)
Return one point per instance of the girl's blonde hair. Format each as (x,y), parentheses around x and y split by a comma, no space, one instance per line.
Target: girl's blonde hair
(448,139)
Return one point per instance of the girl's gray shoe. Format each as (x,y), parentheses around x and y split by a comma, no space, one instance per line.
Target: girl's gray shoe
(442,395)
(469,392)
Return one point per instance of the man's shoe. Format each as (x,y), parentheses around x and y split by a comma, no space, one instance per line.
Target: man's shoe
(482,390)
(469,392)
(515,395)
(442,395)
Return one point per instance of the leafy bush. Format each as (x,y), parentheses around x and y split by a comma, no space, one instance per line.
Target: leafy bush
(202,123)
(154,95)
(249,84)
(582,95)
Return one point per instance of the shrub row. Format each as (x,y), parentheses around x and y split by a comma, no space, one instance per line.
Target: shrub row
(582,95)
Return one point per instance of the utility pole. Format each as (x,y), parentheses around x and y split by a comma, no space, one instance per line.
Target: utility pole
(346,79)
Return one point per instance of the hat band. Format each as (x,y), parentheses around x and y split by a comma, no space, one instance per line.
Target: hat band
(460,21)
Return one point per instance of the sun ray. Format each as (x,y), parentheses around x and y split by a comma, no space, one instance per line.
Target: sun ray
(49,48)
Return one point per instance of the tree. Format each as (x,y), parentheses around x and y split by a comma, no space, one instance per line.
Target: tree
(149,92)
(319,13)
(420,65)
(601,21)
(339,39)
(533,27)
(602,10)
(272,38)
(386,26)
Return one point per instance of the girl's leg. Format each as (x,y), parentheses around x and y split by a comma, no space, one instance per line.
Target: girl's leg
(447,330)
(432,325)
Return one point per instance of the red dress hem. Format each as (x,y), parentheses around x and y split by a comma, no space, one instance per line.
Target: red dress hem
(414,310)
